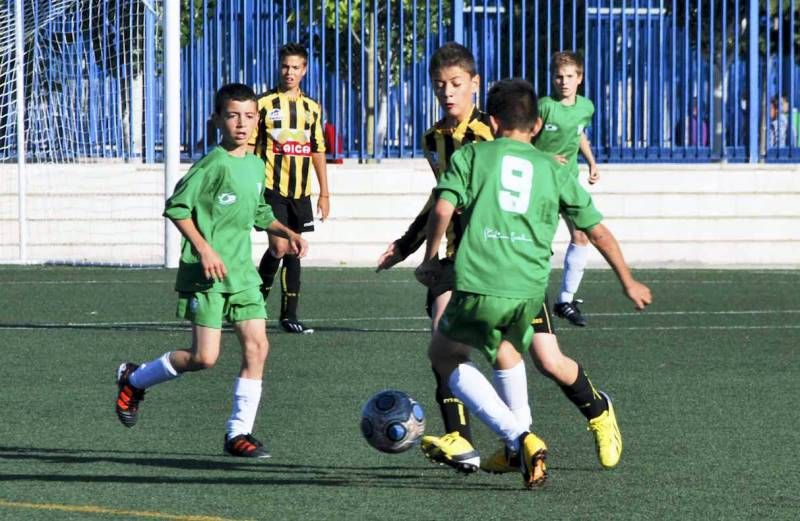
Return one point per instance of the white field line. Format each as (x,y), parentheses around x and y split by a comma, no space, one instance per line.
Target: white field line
(172,325)
(378,281)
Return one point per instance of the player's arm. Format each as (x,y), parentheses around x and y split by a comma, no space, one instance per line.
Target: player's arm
(605,242)
(297,245)
(450,193)
(324,199)
(320,167)
(411,240)
(213,267)
(179,208)
(414,236)
(586,149)
(439,220)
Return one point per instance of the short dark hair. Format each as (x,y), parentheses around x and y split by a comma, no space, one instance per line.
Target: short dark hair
(514,103)
(563,58)
(232,91)
(452,54)
(292,49)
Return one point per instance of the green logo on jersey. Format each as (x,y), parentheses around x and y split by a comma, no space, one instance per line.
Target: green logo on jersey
(551,127)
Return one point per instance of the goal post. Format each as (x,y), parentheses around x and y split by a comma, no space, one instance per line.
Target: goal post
(172,114)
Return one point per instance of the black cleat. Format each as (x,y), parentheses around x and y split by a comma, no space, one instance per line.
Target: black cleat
(570,311)
(295,326)
(128,397)
(245,446)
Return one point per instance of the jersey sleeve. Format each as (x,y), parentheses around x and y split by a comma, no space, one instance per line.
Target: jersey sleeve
(181,203)
(264,215)
(317,134)
(454,182)
(576,202)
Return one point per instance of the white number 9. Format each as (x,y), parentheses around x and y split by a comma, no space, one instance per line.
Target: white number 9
(516,178)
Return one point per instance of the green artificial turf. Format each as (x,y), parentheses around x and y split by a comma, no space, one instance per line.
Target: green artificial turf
(704,384)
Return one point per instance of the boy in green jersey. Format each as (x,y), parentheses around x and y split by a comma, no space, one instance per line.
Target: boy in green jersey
(565,115)
(215,206)
(509,195)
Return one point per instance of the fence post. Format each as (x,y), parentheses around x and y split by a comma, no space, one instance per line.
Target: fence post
(457,14)
(753,96)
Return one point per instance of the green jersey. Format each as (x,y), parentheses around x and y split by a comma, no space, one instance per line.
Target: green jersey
(562,127)
(224,196)
(510,194)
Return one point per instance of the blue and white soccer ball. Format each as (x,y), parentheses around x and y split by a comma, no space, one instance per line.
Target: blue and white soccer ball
(392,421)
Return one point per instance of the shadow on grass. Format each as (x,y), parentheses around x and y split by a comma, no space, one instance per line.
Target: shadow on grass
(259,472)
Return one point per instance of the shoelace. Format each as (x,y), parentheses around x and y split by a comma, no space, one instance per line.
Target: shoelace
(605,436)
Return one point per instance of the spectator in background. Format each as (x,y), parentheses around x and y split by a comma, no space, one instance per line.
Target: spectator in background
(778,129)
(692,131)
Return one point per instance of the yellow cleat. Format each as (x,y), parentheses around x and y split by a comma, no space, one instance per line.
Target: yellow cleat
(533,452)
(501,462)
(452,450)
(607,436)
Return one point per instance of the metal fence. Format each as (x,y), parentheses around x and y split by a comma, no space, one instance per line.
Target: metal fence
(678,80)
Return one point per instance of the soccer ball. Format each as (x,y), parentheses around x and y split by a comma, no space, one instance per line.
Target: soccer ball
(392,421)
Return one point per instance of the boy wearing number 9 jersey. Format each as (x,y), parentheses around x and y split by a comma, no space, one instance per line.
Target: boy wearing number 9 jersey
(509,195)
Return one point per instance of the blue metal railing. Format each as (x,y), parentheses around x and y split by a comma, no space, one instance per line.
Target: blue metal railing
(672,80)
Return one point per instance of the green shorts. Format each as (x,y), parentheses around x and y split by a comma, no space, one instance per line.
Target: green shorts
(208,309)
(483,321)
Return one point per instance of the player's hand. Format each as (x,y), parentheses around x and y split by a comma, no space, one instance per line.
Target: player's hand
(639,294)
(323,207)
(594,174)
(213,267)
(561,160)
(389,258)
(429,272)
(298,245)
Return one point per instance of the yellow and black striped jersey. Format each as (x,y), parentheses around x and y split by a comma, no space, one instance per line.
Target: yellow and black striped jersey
(289,130)
(438,145)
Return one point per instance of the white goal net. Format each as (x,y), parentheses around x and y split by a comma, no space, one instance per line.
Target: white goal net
(91,125)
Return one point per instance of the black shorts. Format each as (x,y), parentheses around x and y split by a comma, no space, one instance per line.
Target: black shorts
(445,284)
(542,322)
(295,214)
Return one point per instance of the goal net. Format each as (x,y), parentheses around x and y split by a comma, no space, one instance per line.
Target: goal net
(85,193)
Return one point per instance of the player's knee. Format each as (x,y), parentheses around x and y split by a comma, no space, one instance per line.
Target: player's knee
(255,352)
(279,249)
(580,238)
(201,361)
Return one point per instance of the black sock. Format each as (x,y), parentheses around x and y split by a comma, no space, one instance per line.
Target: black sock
(290,286)
(267,268)
(585,397)
(454,413)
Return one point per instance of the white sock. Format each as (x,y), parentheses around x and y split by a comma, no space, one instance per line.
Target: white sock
(153,372)
(246,397)
(472,388)
(512,386)
(574,266)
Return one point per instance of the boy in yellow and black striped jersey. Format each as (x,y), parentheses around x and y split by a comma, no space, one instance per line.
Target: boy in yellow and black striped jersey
(455,80)
(289,138)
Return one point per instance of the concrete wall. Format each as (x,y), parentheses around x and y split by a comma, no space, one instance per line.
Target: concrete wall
(670,215)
